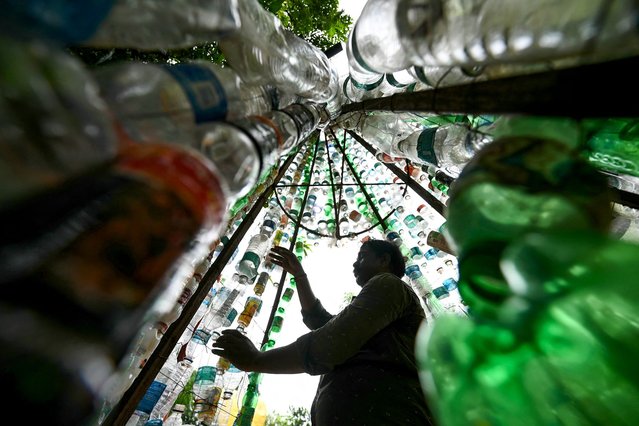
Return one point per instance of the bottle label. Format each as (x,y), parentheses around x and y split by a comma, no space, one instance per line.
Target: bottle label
(288,294)
(393,82)
(437,240)
(252,257)
(151,397)
(201,336)
(226,306)
(206,373)
(426,146)
(203,89)
(62,21)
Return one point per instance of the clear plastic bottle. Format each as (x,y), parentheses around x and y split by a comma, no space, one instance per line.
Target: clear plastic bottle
(122,23)
(315,79)
(384,130)
(448,147)
(374,44)
(247,266)
(444,33)
(146,24)
(166,102)
(175,418)
(199,314)
(232,380)
(152,395)
(174,385)
(205,394)
(265,53)
(236,154)
(431,77)
(354,91)
(53,124)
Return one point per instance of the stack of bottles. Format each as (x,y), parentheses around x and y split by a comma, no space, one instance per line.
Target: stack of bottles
(550,291)
(116,181)
(263,52)
(441,43)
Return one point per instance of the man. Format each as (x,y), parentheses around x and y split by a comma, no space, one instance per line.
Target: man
(365,353)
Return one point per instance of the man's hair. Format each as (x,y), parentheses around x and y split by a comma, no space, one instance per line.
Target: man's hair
(382,247)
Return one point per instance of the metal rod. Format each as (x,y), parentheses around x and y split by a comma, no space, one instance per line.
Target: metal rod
(628,199)
(123,410)
(420,190)
(337,184)
(330,175)
(280,288)
(550,93)
(354,172)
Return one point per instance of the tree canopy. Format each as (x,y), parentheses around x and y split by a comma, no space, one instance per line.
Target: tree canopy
(296,416)
(320,22)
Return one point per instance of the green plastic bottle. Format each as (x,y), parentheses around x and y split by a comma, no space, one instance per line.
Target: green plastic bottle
(543,305)
(249,402)
(613,144)
(530,178)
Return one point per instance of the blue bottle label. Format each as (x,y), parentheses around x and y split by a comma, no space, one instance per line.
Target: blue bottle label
(201,336)
(440,292)
(426,146)
(431,254)
(450,284)
(203,89)
(392,236)
(57,20)
(151,397)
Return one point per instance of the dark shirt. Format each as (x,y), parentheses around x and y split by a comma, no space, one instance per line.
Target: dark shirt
(366,357)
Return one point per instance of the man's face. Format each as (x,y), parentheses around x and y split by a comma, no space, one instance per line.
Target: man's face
(366,266)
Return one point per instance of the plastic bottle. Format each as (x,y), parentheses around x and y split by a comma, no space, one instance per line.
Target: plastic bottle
(166,102)
(383,130)
(261,283)
(265,53)
(205,395)
(374,43)
(443,33)
(199,314)
(232,381)
(122,23)
(433,77)
(247,266)
(249,402)
(147,25)
(175,418)
(175,381)
(152,395)
(251,308)
(236,154)
(177,197)
(54,126)
(533,179)
(448,147)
